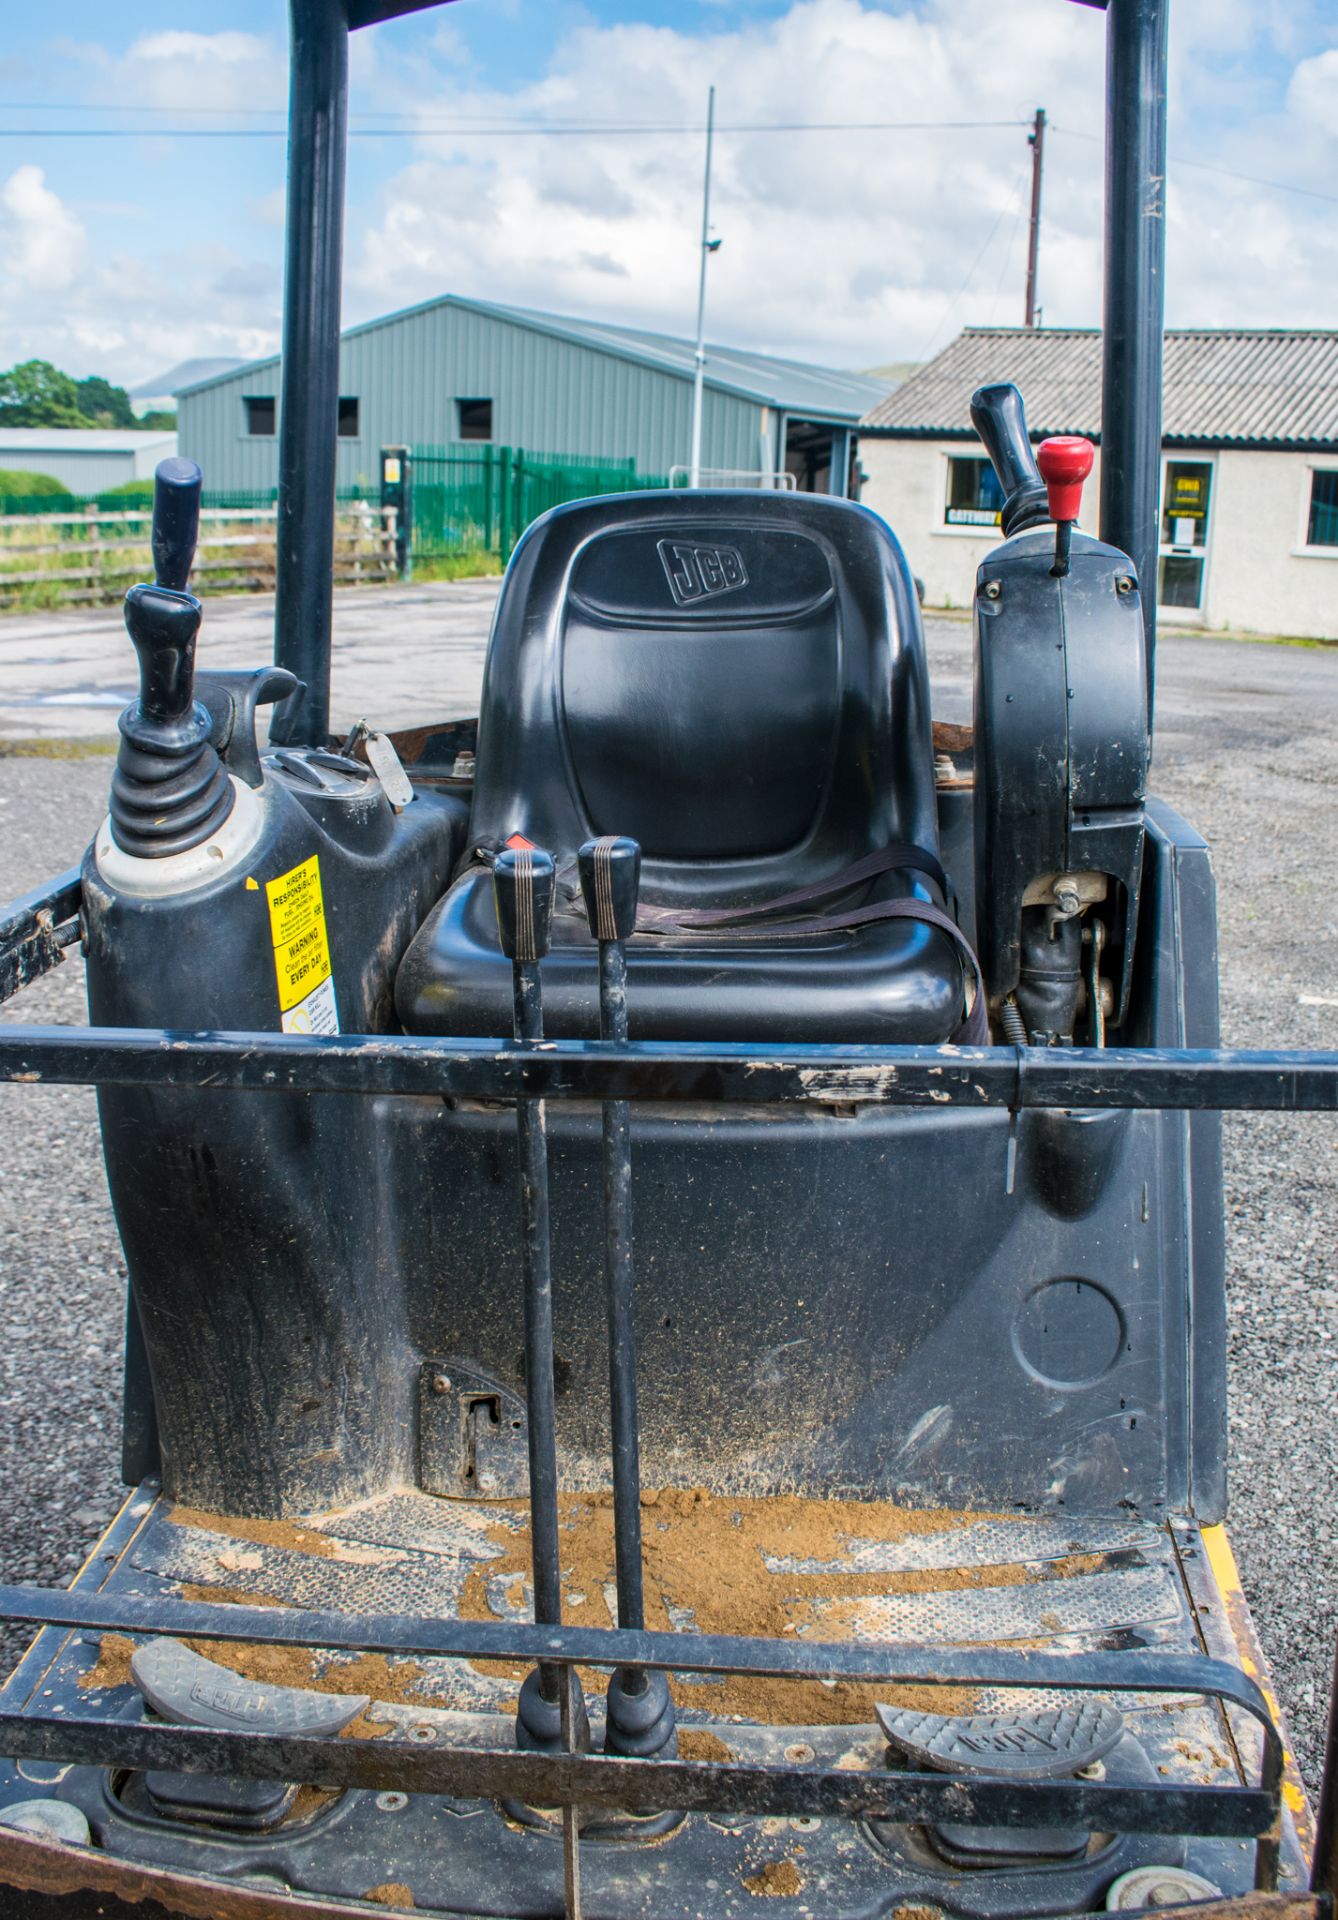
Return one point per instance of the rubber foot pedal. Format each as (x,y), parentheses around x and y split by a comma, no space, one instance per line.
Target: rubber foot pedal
(194,1692)
(1009,1746)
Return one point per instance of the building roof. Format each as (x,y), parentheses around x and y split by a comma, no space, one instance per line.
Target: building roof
(793,386)
(82,439)
(1231,386)
(186,373)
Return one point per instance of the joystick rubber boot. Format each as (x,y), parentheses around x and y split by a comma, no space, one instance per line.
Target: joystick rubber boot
(641,1724)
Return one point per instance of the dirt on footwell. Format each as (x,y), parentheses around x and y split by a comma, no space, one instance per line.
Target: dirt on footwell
(705,1557)
(709,1564)
(779,1880)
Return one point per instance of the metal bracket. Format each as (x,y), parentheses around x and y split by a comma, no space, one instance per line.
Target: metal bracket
(473,1439)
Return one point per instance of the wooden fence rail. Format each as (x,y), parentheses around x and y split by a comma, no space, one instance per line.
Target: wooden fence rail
(58,559)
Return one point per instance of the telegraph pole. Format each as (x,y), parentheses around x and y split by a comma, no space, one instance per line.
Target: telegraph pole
(708,248)
(1036,141)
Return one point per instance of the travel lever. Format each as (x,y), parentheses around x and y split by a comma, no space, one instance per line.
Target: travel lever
(640,1713)
(523,885)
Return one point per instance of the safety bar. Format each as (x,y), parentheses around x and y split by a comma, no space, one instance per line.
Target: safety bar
(1013,1078)
(571,1779)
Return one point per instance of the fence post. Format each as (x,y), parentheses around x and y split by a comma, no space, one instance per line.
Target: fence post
(489,517)
(504,506)
(94,559)
(518,509)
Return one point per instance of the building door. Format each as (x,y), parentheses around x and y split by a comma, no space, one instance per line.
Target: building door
(1183,550)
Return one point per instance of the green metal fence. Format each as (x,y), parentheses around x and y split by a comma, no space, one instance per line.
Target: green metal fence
(481,498)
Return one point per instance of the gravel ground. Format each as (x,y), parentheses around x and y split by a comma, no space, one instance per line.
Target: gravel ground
(1247,749)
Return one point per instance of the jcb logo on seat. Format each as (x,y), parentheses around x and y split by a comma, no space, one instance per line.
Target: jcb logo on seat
(700,573)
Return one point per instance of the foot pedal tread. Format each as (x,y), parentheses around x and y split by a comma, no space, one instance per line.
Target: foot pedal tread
(1008,1746)
(184,1687)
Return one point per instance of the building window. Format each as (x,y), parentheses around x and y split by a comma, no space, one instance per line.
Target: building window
(348,416)
(260,411)
(1322,528)
(974,494)
(474,419)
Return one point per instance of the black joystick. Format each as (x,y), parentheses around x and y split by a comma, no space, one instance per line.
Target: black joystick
(170,791)
(997,416)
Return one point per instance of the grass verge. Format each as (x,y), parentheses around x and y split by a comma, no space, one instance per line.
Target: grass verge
(51,747)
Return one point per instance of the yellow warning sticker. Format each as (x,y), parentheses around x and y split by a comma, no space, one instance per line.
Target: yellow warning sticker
(302,950)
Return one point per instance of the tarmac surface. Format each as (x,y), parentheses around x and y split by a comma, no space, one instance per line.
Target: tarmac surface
(1247,749)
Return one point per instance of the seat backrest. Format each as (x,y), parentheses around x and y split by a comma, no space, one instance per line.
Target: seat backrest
(736,680)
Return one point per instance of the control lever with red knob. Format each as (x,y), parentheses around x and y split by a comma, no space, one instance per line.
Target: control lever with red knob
(1065,462)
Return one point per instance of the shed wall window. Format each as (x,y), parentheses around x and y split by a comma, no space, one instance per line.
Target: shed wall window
(348,416)
(974,493)
(474,419)
(1322,528)
(260,410)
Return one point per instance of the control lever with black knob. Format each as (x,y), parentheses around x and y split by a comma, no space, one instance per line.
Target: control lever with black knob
(523,888)
(640,1715)
(170,791)
(997,416)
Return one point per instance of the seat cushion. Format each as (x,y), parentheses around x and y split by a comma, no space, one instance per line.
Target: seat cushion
(895,982)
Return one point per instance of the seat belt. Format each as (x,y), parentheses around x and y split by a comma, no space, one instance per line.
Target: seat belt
(753,923)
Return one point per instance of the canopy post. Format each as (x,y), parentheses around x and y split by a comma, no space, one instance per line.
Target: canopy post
(309,403)
(1135,296)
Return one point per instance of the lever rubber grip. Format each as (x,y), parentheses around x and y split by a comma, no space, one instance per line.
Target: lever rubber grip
(998,417)
(163,624)
(523,883)
(176,521)
(610,881)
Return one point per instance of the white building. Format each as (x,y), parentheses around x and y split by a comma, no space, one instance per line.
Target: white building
(1249,524)
(85,460)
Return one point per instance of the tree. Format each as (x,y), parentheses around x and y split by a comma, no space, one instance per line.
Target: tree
(23,485)
(36,394)
(161,418)
(102,404)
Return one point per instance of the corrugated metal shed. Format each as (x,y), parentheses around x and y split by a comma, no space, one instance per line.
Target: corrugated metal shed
(1246,387)
(557,385)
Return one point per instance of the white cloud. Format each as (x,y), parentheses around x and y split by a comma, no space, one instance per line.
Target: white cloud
(214,70)
(1313,93)
(43,242)
(122,314)
(850,247)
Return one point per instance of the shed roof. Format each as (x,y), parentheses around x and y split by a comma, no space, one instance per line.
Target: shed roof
(793,386)
(1252,387)
(83,439)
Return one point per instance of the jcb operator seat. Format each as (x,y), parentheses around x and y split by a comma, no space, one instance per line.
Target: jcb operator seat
(738,682)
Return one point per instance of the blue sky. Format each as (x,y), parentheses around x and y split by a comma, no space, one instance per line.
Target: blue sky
(857,248)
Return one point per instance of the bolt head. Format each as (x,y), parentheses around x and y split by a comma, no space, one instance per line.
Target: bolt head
(993,589)
(441,1383)
(1124,584)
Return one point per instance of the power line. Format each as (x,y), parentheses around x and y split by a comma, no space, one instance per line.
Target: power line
(1207,166)
(510,130)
